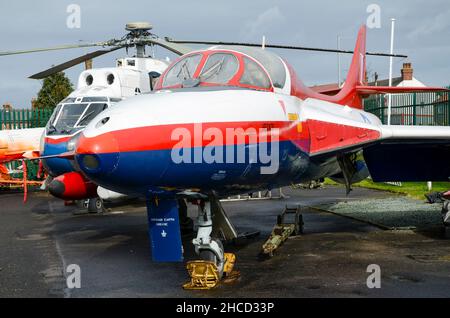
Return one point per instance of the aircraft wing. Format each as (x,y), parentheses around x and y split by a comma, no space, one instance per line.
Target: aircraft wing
(19,144)
(410,153)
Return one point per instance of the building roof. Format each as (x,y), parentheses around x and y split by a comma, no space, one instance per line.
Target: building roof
(411,83)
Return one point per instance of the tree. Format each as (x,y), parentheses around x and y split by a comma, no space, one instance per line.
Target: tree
(54,89)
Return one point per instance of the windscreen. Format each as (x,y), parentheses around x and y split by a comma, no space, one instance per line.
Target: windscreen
(182,71)
(220,68)
(69,118)
(254,75)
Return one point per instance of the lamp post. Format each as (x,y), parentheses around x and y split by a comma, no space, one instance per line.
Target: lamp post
(391,60)
(339,60)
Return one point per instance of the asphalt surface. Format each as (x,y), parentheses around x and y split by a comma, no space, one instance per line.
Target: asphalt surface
(40,239)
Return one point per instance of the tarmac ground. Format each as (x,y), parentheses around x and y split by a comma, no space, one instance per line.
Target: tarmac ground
(39,239)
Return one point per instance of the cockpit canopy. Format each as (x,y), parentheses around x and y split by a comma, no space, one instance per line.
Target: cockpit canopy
(244,67)
(73,114)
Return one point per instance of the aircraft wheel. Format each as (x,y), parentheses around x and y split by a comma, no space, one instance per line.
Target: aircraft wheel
(95,205)
(208,255)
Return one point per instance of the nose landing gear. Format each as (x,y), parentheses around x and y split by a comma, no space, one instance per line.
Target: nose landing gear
(215,264)
(207,248)
(214,226)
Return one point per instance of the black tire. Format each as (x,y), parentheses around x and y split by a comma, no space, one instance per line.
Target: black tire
(208,255)
(95,205)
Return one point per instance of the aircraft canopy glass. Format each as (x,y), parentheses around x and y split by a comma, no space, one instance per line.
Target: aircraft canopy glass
(269,60)
(69,118)
(245,67)
(182,70)
(219,68)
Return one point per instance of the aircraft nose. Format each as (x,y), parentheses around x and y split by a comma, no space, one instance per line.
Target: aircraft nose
(57,188)
(97,155)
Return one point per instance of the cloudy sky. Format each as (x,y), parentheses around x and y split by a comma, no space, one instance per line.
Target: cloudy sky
(422,32)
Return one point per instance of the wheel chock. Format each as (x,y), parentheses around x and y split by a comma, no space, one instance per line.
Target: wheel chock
(230,260)
(205,275)
(283,230)
(279,235)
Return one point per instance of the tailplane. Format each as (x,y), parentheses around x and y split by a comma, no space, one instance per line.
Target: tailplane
(355,88)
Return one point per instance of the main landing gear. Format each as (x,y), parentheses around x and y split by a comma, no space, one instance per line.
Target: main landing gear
(446,218)
(90,206)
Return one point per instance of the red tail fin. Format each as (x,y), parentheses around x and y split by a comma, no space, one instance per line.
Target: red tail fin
(348,95)
(356,75)
(355,88)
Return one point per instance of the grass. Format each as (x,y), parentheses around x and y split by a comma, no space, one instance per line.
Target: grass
(415,190)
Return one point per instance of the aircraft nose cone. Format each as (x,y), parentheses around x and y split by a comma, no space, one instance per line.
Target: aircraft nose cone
(56,188)
(97,155)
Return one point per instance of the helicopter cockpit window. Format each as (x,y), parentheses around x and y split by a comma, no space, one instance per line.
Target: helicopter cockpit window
(93,110)
(182,70)
(69,100)
(219,68)
(70,114)
(94,99)
(69,118)
(51,121)
(254,75)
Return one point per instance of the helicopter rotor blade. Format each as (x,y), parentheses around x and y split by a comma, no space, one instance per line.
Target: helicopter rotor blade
(169,45)
(55,48)
(175,48)
(73,62)
(275,46)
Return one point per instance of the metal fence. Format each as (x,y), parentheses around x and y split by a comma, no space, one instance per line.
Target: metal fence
(24,118)
(422,109)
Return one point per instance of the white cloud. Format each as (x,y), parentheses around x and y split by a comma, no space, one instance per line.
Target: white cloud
(432,25)
(265,22)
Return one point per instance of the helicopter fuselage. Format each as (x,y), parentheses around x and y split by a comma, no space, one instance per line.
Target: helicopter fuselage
(97,90)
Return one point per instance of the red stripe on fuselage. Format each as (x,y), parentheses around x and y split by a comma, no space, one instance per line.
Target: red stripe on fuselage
(166,136)
(52,141)
(323,136)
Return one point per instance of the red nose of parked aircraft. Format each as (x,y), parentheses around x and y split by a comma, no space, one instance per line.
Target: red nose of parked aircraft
(98,155)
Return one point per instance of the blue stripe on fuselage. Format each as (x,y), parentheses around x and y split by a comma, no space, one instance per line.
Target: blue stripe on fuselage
(139,172)
(56,167)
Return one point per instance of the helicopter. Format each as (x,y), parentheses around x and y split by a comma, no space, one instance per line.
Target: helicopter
(97,89)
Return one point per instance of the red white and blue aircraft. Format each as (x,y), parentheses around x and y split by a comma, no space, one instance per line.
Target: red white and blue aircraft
(228,120)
